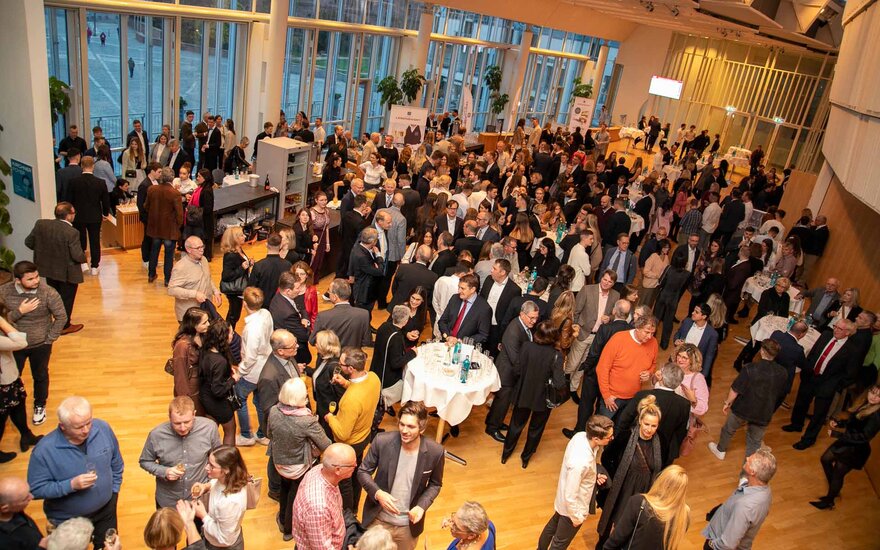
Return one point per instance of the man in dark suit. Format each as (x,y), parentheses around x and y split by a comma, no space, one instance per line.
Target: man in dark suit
(498,290)
(351,324)
(830,367)
(541,163)
(697,328)
(539,287)
(571,204)
(346,204)
(652,246)
(412,200)
(200,132)
(621,260)
(643,207)
(337,143)
(366,267)
(617,223)
(814,245)
(484,232)
(89,197)
(675,409)
(64,176)
(351,225)
(446,256)
(212,150)
(139,134)
(288,316)
(493,172)
(187,138)
(423,183)
(691,252)
(733,284)
(402,473)
(467,315)
(58,256)
(733,212)
(589,383)
(178,157)
(450,222)
(516,333)
(266,272)
(469,241)
(154,170)
(412,275)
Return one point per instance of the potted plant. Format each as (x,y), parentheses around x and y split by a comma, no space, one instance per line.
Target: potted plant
(59,101)
(493,78)
(579,89)
(390,91)
(411,83)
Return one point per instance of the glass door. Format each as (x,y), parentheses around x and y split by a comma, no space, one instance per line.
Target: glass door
(763,135)
(361,106)
(734,130)
(781,148)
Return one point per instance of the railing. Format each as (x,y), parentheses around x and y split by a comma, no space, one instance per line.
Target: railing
(113,130)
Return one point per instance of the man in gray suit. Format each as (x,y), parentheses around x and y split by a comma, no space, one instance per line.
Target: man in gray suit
(395,237)
(592,308)
(402,474)
(59,255)
(351,324)
(821,298)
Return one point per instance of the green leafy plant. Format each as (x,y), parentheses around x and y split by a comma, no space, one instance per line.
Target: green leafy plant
(411,83)
(390,91)
(59,101)
(493,78)
(580,89)
(7,256)
(499,102)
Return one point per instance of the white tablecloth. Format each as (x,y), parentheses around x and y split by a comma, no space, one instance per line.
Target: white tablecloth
(759,283)
(736,161)
(672,172)
(452,399)
(739,152)
(630,132)
(769,324)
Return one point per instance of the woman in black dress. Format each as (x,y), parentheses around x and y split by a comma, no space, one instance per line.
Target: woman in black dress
(656,520)
(217,377)
(562,282)
(541,362)
(326,392)
(671,285)
(418,315)
(853,445)
(236,267)
(632,463)
(200,212)
(331,174)
(545,261)
(306,240)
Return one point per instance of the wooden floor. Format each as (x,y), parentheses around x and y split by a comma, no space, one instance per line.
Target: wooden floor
(116,362)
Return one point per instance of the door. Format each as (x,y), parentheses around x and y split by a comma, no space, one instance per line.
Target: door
(764,135)
(734,130)
(361,106)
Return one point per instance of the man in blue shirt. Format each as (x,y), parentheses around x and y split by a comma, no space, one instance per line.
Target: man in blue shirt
(77,468)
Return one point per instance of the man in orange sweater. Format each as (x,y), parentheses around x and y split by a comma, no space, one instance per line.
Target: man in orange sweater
(628,360)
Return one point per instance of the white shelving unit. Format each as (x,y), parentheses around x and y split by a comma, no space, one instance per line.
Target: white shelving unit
(285,162)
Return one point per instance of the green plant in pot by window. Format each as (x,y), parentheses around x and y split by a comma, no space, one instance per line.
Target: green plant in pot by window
(579,89)
(59,101)
(411,83)
(499,102)
(492,78)
(390,91)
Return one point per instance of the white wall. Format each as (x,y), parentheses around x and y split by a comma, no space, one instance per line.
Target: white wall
(642,55)
(25,115)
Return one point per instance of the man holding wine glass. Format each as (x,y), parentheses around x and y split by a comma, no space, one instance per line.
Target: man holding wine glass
(176,451)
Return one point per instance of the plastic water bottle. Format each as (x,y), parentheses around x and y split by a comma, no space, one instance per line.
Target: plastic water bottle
(791,321)
(809,320)
(773,278)
(456,353)
(560,231)
(465,369)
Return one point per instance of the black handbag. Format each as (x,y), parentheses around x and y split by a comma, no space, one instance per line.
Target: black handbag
(235,286)
(233,399)
(554,396)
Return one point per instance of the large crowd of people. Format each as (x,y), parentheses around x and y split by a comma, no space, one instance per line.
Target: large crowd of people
(531,250)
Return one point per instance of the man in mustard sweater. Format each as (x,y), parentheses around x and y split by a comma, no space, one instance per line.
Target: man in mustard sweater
(354,419)
(627,361)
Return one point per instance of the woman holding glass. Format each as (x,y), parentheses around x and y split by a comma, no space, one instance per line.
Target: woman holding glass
(218,377)
(227,499)
(185,355)
(325,391)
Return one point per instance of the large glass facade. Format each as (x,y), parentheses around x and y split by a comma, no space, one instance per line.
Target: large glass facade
(57,44)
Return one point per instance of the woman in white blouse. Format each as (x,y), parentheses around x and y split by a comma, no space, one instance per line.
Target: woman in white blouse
(229,137)
(374,172)
(184,184)
(227,499)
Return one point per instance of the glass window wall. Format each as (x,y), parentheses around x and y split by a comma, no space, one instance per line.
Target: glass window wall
(57,44)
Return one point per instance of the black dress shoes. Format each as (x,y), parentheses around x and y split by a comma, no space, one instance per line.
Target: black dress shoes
(525,463)
(802,445)
(496,435)
(505,427)
(567,432)
(792,428)
(504,457)
(823,503)
(28,441)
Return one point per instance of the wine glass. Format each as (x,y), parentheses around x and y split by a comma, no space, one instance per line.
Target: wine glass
(332,407)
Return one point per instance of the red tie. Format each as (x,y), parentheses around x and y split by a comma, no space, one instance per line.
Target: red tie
(817,370)
(458,319)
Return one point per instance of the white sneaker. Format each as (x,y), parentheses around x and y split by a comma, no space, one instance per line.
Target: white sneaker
(244,441)
(714,448)
(39,415)
(94,271)
(85,267)
(263,440)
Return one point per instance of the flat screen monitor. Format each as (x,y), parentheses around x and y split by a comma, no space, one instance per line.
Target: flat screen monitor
(666,87)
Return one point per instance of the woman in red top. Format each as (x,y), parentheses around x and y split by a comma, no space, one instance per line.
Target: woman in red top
(305,287)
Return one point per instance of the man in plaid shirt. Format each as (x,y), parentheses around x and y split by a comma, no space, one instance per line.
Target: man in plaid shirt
(691,222)
(318,523)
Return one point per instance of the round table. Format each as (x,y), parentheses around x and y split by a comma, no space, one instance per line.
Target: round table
(769,324)
(757,284)
(672,172)
(630,132)
(424,381)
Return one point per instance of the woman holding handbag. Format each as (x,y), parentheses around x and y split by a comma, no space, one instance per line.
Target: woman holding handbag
(542,369)
(216,389)
(297,442)
(236,269)
(200,212)
(227,499)
(185,355)
(693,388)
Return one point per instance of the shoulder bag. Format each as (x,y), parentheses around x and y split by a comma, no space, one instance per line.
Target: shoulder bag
(554,396)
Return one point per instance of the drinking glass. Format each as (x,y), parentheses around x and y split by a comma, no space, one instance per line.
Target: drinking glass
(110,537)
(332,407)
(91,468)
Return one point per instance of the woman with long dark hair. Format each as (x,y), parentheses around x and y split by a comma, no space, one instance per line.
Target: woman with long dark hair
(633,463)
(200,212)
(417,302)
(425,236)
(542,362)
(545,261)
(524,237)
(227,499)
(217,377)
(331,174)
(320,227)
(852,447)
(564,277)
(306,239)
(185,354)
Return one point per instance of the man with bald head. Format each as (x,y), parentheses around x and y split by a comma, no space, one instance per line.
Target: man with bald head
(190,282)
(469,241)
(821,299)
(318,523)
(830,367)
(17,529)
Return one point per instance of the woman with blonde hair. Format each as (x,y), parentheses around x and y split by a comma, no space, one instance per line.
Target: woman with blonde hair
(633,463)
(236,270)
(562,319)
(329,349)
(133,158)
(656,520)
(693,387)
(718,318)
(417,160)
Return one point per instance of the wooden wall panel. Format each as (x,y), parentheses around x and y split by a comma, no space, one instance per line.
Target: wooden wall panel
(797,196)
